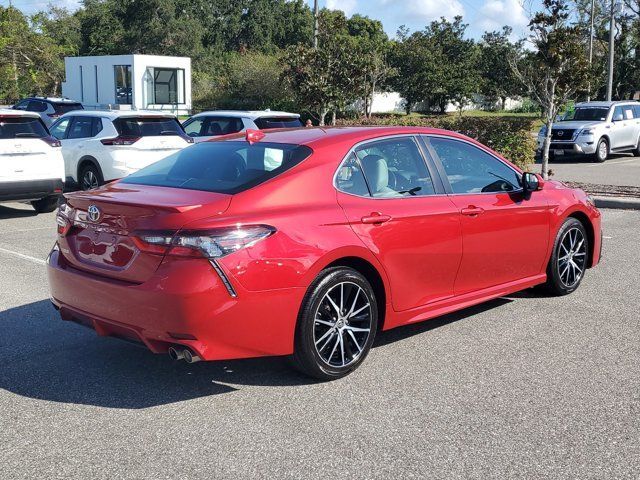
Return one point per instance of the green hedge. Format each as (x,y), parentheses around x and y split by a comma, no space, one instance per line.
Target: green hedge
(509,136)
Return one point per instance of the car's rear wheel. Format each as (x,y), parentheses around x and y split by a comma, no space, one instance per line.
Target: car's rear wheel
(569,258)
(90,177)
(636,151)
(602,151)
(45,205)
(337,324)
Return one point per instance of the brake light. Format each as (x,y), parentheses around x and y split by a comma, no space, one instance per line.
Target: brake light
(64,225)
(51,141)
(213,243)
(119,141)
(254,136)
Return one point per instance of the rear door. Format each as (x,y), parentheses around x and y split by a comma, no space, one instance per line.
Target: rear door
(505,237)
(397,206)
(74,144)
(24,151)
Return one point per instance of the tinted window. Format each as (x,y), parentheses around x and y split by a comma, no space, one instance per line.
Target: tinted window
(62,108)
(22,105)
(59,127)
(223,167)
(395,168)
(277,122)
(81,127)
(350,178)
(213,126)
(588,113)
(36,106)
(472,170)
(22,127)
(147,126)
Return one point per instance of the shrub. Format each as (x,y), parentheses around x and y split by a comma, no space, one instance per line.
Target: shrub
(509,136)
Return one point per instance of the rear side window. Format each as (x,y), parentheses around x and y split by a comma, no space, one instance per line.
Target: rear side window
(350,178)
(22,127)
(147,126)
(62,108)
(213,126)
(37,106)
(221,167)
(277,122)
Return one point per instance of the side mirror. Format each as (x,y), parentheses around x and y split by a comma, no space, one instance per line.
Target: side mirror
(530,183)
(618,117)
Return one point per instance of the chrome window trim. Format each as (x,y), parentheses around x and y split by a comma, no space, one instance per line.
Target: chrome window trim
(353,149)
(447,137)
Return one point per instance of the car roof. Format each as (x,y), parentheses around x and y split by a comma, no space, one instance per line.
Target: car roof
(252,114)
(7,112)
(606,104)
(113,114)
(316,137)
(51,99)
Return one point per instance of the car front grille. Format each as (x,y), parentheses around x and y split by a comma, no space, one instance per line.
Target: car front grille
(562,134)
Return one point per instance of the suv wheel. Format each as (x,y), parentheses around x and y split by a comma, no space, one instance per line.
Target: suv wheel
(45,205)
(636,151)
(602,150)
(90,177)
(336,324)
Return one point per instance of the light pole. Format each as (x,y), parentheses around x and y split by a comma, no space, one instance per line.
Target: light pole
(315,23)
(612,27)
(593,2)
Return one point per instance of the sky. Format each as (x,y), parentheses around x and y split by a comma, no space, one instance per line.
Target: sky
(481,15)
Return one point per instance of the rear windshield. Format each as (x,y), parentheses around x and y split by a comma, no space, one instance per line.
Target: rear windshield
(22,127)
(278,122)
(147,126)
(66,107)
(221,167)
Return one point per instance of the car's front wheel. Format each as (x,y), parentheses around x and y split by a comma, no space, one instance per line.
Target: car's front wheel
(337,324)
(602,151)
(569,258)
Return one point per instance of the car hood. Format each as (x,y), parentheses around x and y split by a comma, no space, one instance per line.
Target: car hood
(575,125)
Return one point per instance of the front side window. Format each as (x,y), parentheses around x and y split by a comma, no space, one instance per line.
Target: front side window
(470,169)
(395,168)
(37,106)
(22,105)
(81,127)
(618,114)
(123,84)
(221,167)
(60,127)
(21,127)
(147,126)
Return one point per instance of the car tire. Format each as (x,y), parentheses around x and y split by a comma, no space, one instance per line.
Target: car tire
(569,258)
(90,177)
(636,151)
(337,324)
(602,151)
(45,205)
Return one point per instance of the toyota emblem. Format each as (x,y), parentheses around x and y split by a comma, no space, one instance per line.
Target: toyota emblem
(93,213)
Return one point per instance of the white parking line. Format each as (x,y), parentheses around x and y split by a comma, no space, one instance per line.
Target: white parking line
(23,256)
(614,162)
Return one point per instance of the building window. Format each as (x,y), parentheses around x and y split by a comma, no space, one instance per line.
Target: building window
(123,84)
(164,86)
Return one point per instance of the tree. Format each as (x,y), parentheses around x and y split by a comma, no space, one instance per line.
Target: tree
(499,81)
(557,68)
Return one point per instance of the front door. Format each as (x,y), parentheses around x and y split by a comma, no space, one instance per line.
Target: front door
(623,128)
(505,236)
(403,218)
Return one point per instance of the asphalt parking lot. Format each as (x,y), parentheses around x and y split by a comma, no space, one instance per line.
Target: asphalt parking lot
(620,169)
(521,387)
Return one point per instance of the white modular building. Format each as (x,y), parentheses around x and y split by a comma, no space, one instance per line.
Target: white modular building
(135,82)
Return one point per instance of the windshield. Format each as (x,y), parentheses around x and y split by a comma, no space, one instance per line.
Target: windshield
(221,167)
(22,127)
(147,126)
(587,113)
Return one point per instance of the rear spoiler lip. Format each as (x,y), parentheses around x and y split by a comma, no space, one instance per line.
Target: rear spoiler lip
(169,208)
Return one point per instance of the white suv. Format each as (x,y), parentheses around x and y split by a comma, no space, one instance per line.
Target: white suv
(207,125)
(49,108)
(31,165)
(102,146)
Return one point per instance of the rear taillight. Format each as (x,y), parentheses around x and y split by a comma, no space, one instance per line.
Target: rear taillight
(117,141)
(51,141)
(212,243)
(64,225)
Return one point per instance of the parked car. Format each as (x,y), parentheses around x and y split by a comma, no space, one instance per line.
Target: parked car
(596,129)
(49,108)
(31,165)
(207,125)
(212,253)
(102,146)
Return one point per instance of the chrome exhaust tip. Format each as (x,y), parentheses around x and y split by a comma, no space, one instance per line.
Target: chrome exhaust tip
(189,356)
(176,354)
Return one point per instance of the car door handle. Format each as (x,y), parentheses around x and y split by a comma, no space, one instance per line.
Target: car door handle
(472,211)
(374,218)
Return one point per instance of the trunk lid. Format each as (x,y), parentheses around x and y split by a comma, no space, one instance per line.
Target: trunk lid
(101,239)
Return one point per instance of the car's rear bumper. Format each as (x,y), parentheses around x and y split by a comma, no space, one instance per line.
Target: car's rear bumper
(183,303)
(30,189)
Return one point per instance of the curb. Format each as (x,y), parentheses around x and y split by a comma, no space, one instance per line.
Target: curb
(623,203)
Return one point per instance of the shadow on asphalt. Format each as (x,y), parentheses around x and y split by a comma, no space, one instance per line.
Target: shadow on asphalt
(6,212)
(44,358)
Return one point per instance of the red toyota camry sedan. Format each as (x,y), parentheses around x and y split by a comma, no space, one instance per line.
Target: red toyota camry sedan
(307,242)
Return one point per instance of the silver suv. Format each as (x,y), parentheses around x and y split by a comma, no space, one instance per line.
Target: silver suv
(596,129)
